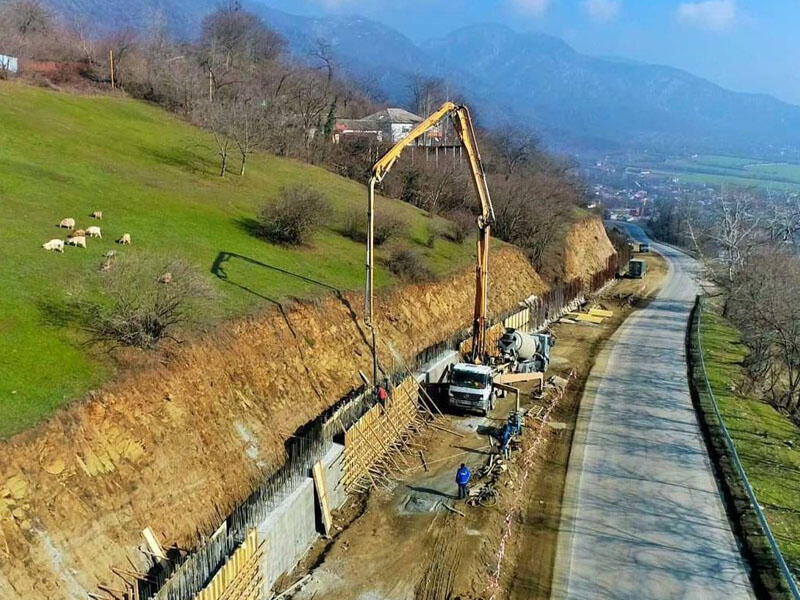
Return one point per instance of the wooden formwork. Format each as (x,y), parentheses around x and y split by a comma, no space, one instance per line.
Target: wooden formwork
(241,577)
(373,444)
(518,320)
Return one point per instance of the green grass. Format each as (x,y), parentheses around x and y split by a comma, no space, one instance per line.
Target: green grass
(760,434)
(64,155)
(729,170)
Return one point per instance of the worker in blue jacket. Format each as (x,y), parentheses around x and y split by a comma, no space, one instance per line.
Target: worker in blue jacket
(462,479)
(505,440)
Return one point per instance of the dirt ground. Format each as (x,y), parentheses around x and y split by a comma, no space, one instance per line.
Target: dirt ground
(404,543)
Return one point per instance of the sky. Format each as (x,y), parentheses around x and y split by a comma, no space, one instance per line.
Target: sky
(744,45)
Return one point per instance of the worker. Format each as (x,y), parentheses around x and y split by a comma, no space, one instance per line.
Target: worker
(462,479)
(505,440)
(383,395)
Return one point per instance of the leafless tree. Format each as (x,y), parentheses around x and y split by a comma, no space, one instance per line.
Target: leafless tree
(764,306)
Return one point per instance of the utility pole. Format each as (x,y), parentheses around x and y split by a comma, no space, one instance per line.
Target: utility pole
(111,66)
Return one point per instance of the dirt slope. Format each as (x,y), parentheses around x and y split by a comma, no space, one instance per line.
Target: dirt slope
(176,447)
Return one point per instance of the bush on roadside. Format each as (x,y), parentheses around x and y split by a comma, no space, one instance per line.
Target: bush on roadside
(386,226)
(299,212)
(407,265)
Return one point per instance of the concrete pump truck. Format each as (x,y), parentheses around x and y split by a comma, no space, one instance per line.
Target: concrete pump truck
(472,383)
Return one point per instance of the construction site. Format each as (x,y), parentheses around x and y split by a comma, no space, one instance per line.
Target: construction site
(313,452)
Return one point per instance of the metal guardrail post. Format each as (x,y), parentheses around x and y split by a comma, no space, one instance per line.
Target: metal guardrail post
(787,573)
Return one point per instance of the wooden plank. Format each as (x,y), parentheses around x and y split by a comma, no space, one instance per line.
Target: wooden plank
(585,317)
(321,486)
(152,543)
(600,312)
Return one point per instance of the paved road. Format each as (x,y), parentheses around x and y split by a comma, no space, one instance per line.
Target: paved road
(642,516)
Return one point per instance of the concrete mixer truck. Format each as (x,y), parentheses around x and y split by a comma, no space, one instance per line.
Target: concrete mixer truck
(527,352)
(473,387)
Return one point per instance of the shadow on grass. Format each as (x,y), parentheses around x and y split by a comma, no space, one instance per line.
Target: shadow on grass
(218,269)
(185,159)
(63,312)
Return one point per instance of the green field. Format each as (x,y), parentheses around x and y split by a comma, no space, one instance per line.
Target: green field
(153,176)
(768,443)
(731,170)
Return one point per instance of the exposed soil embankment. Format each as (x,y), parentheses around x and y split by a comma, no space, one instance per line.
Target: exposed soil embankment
(176,447)
(581,251)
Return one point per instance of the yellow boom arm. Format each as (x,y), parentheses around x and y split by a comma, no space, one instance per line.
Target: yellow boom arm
(462,122)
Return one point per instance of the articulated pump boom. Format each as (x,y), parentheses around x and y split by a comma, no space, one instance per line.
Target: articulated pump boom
(460,117)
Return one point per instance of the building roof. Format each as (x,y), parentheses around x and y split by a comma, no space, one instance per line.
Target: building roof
(393,115)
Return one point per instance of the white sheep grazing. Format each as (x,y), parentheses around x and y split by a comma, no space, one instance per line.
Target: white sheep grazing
(98,214)
(67,223)
(78,241)
(54,245)
(93,231)
(125,239)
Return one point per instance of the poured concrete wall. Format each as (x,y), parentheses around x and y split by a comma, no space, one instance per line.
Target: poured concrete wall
(292,527)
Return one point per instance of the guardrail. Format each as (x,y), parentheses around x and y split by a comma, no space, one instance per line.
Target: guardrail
(734,456)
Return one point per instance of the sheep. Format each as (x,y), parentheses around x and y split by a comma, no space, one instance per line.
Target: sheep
(77,233)
(68,223)
(165,278)
(97,214)
(54,245)
(78,241)
(125,239)
(93,231)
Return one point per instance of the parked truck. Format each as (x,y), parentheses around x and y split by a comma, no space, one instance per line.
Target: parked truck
(637,268)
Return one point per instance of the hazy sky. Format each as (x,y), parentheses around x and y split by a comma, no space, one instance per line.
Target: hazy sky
(745,45)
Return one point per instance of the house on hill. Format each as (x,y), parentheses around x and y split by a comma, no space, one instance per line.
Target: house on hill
(8,64)
(389,125)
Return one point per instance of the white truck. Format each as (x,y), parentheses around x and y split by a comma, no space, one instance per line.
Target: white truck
(471,388)
(474,387)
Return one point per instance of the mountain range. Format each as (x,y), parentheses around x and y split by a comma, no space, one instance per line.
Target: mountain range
(577,104)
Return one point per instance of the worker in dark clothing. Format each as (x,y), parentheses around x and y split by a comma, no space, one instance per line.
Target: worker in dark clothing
(505,440)
(462,479)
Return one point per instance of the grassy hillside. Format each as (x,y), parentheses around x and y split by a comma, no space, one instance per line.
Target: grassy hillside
(768,442)
(153,176)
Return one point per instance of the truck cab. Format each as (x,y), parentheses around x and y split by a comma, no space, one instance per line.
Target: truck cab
(470,388)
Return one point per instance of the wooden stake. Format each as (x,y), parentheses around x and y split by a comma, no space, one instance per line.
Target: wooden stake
(451,509)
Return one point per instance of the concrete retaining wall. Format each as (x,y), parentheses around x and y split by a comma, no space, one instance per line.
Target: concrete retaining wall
(292,527)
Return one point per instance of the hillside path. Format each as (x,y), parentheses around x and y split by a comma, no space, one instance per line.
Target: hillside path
(642,515)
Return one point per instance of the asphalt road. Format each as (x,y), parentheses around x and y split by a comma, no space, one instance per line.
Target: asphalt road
(642,515)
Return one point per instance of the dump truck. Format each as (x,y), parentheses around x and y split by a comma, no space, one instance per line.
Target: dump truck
(637,268)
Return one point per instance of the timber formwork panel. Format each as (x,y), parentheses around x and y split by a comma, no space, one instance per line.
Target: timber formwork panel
(519,320)
(240,578)
(372,445)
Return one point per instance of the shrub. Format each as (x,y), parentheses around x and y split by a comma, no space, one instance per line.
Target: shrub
(386,227)
(462,224)
(148,301)
(407,265)
(295,217)
(431,233)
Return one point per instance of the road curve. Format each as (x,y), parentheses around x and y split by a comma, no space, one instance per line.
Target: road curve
(642,516)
